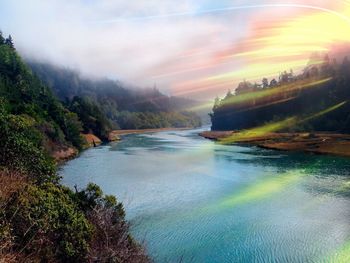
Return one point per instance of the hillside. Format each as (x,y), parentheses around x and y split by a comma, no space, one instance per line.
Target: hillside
(315,100)
(40,219)
(23,94)
(124,107)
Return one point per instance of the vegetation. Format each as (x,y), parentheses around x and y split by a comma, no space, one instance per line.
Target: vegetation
(315,100)
(24,95)
(41,220)
(123,108)
(92,118)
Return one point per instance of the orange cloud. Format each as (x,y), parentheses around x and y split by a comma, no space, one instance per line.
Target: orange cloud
(273,45)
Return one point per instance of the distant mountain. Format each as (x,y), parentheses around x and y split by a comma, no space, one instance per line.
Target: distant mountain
(67,83)
(124,107)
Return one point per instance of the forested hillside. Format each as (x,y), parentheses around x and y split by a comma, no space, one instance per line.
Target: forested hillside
(124,108)
(315,100)
(41,220)
(23,95)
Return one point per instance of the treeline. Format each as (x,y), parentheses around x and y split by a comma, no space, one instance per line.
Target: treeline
(123,107)
(318,98)
(41,220)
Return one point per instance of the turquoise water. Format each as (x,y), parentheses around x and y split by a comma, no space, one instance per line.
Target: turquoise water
(193,200)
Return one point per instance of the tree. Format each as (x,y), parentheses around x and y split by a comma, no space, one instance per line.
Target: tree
(346,63)
(273,83)
(229,94)
(2,39)
(9,42)
(216,103)
(326,59)
(265,83)
(283,78)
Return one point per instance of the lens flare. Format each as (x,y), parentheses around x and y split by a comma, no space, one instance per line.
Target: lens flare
(259,131)
(261,190)
(286,90)
(267,104)
(342,255)
(316,115)
(275,126)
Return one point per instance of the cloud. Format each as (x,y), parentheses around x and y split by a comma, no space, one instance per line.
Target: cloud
(77,34)
(175,44)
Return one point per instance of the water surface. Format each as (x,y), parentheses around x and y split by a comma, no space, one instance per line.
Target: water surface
(193,200)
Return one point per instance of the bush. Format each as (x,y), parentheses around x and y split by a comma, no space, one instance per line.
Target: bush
(21,148)
(47,224)
(111,241)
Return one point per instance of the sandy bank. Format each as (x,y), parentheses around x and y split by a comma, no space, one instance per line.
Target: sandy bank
(64,154)
(91,140)
(318,143)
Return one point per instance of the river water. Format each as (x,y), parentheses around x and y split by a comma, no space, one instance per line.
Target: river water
(193,200)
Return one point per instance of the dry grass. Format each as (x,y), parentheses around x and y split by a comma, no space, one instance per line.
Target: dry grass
(111,241)
(10,183)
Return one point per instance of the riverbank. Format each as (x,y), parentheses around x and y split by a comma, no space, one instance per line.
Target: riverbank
(113,135)
(317,143)
(66,153)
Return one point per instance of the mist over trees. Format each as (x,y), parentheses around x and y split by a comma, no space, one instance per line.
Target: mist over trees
(123,108)
(323,84)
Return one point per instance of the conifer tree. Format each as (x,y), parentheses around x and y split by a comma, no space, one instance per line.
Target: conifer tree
(9,42)
(2,39)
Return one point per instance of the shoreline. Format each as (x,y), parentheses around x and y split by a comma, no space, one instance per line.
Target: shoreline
(64,154)
(140,131)
(317,143)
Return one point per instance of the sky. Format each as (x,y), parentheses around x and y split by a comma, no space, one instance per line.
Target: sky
(196,49)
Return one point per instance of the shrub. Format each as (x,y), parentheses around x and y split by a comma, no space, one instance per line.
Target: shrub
(111,241)
(21,148)
(47,224)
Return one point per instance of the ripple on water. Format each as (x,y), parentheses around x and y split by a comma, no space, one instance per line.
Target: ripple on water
(177,183)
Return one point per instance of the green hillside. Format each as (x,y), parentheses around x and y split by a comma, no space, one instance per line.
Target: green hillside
(41,220)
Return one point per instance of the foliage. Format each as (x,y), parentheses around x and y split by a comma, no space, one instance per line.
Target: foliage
(2,39)
(111,241)
(47,223)
(145,120)
(21,148)
(25,94)
(94,121)
(41,220)
(302,96)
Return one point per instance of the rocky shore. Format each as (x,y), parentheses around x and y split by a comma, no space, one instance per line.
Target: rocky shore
(317,143)
(63,154)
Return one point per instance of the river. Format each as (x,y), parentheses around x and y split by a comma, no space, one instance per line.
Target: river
(193,200)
